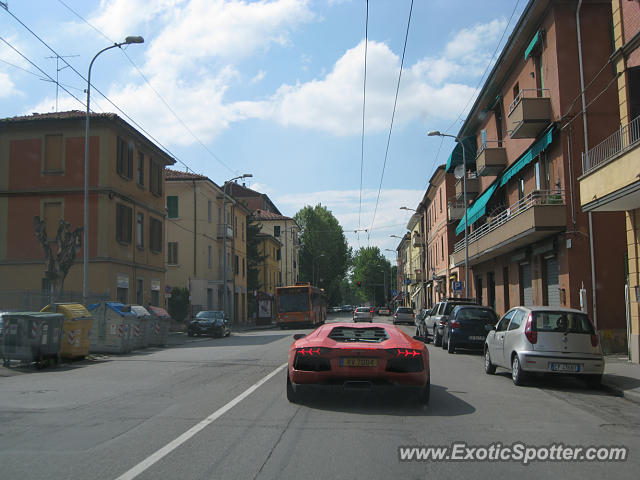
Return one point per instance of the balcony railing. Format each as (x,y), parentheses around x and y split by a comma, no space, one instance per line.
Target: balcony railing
(455,208)
(222,230)
(528,93)
(625,138)
(538,197)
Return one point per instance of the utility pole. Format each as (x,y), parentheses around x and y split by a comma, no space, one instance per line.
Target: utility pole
(58,69)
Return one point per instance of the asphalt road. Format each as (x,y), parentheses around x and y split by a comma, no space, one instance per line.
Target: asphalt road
(101,419)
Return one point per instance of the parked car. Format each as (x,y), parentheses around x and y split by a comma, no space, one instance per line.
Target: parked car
(559,341)
(209,322)
(403,315)
(384,311)
(439,315)
(467,327)
(420,317)
(363,314)
(347,308)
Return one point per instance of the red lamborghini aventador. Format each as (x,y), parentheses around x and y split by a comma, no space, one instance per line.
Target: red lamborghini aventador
(353,356)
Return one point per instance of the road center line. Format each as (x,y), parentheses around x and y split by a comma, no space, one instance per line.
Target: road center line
(171,446)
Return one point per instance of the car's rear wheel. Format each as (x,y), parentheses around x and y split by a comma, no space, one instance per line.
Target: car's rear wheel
(489,368)
(424,393)
(292,396)
(593,381)
(517,375)
(450,346)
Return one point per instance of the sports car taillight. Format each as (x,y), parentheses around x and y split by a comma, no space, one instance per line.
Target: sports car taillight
(310,359)
(405,360)
(529,332)
(312,351)
(405,352)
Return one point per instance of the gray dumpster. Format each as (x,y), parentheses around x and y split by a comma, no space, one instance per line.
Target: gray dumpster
(141,327)
(111,331)
(31,337)
(159,331)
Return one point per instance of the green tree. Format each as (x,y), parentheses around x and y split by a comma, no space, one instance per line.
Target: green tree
(179,303)
(324,252)
(254,260)
(373,271)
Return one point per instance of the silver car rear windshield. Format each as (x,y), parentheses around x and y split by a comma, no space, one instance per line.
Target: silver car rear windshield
(565,322)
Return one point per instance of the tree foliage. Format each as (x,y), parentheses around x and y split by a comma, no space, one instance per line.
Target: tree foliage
(179,303)
(324,252)
(373,271)
(254,259)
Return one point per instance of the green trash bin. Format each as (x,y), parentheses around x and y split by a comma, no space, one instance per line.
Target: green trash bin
(32,337)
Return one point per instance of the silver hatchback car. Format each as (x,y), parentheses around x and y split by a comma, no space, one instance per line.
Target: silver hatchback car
(545,340)
(363,314)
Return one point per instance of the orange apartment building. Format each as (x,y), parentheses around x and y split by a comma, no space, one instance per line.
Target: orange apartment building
(42,174)
(530,242)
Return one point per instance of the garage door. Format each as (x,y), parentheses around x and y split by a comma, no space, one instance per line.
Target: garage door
(553,291)
(525,278)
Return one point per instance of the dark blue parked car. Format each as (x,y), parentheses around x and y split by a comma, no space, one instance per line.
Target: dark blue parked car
(467,327)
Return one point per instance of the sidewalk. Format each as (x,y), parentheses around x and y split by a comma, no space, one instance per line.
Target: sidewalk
(622,377)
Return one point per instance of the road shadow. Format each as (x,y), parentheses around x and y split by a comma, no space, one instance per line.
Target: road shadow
(441,404)
(558,383)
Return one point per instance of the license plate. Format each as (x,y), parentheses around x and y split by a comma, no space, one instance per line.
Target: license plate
(477,338)
(358,362)
(565,367)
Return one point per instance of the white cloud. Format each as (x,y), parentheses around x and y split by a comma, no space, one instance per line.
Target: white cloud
(259,77)
(8,87)
(468,41)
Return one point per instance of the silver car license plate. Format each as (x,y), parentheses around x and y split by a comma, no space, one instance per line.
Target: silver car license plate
(565,367)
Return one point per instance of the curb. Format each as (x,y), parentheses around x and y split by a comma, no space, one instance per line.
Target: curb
(619,392)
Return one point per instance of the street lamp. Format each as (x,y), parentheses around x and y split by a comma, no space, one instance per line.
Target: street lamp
(396,252)
(436,133)
(224,240)
(407,208)
(85,257)
(313,264)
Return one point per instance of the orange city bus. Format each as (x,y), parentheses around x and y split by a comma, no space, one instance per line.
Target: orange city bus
(300,305)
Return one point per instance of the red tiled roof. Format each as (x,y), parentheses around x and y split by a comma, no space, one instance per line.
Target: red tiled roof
(68,115)
(266,215)
(176,175)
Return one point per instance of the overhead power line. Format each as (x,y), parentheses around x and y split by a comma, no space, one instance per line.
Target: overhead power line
(393,114)
(364,101)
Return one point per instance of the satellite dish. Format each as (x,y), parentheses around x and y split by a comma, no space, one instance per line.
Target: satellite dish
(459,171)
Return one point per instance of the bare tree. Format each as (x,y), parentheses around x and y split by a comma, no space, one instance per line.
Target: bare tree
(58,263)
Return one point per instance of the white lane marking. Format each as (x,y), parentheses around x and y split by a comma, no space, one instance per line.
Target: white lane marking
(171,446)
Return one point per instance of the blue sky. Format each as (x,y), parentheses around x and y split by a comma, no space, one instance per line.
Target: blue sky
(273,88)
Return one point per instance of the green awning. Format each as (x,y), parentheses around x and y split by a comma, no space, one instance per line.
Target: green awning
(535,150)
(532,45)
(455,158)
(478,209)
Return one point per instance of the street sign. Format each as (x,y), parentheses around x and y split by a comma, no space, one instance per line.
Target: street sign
(167,289)
(457,286)
(394,293)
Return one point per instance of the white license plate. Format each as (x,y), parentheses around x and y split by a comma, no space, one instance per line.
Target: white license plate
(565,367)
(476,338)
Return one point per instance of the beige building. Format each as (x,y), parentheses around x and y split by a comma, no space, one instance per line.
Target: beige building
(610,178)
(195,244)
(415,254)
(285,230)
(270,267)
(41,174)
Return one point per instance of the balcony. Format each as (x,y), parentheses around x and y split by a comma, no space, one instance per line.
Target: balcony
(473,188)
(610,172)
(538,215)
(455,209)
(417,241)
(222,230)
(491,161)
(529,114)
(418,276)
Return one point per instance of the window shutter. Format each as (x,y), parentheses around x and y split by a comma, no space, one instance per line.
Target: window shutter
(130,160)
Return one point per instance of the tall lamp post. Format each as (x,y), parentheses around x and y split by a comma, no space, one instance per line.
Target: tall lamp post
(224,240)
(396,252)
(85,256)
(436,133)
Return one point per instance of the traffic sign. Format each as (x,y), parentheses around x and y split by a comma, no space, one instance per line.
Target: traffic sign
(458,286)
(394,292)
(167,289)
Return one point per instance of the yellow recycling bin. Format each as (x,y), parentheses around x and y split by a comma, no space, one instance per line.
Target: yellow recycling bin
(76,328)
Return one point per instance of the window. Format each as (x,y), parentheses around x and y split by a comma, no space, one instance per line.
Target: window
(440,194)
(172,206)
(155,177)
(210,257)
(124,162)
(516,91)
(243,266)
(155,235)
(140,168)
(242,231)
(504,322)
(172,253)
(124,218)
(276,230)
(442,248)
(520,188)
(278,254)
(140,291)
(52,213)
(209,211)
(516,320)
(483,139)
(155,298)
(236,265)
(140,231)
(53,159)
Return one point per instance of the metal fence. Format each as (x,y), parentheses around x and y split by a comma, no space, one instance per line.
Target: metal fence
(538,197)
(34,300)
(623,139)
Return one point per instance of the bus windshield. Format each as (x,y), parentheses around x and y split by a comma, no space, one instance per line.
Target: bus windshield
(293,302)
